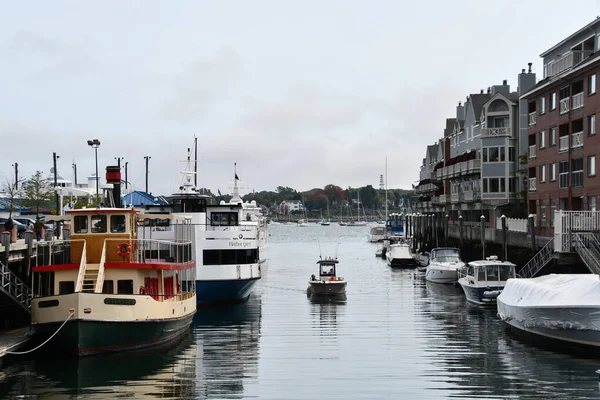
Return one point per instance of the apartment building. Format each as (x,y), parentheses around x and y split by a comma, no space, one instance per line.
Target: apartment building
(562,130)
(428,186)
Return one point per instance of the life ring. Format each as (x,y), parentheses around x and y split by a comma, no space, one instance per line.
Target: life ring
(241,236)
(123,250)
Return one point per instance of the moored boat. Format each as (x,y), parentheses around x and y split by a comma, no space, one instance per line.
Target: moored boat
(443,265)
(103,289)
(564,307)
(483,280)
(400,255)
(327,283)
(376,233)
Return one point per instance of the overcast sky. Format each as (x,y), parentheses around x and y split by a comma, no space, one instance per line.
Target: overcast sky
(300,94)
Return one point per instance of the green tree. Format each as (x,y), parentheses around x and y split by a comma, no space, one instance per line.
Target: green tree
(10,188)
(37,192)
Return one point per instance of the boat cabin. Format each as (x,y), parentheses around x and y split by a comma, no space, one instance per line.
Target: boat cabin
(490,272)
(102,253)
(395,224)
(445,254)
(327,270)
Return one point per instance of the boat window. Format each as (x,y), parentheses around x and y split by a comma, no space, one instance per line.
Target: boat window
(117,223)
(224,219)
(108,287)
(505,272)
(481,273)
(224,257)
(98,223)
(492,272)
(471,271)
(327,270)
(125,287)
(66,287)
(80,223)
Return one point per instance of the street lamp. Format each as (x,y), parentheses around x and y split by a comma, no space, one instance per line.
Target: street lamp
(95,143)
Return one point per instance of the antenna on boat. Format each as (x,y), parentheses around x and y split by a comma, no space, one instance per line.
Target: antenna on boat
(319,244)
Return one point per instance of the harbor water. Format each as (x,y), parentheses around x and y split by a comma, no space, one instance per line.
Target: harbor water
(393,337)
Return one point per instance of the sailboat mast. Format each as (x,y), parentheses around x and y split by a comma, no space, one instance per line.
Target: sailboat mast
(195,161)
(386,188)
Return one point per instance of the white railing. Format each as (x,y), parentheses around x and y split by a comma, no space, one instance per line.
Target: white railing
(573,57)
(454,198)
(515,224)
(532,151)
(490,132)
(82,264)
(539,261)
(15,287)
(577,100)
(100,277)
(532,184)
(568,222)
(443,199)
(563,143)
(439,173)
(532,117)
(577,139)
(471,195)
(564,105)
(474,165)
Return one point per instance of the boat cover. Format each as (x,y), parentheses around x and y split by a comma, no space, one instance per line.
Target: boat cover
(553,290)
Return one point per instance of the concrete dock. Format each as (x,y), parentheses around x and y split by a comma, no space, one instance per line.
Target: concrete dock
(11,340)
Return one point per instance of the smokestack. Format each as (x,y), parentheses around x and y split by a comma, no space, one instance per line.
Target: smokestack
(481,91)
(523,71)
(489,90)
(504,82)
(530,64)
(113,175)
(460,103)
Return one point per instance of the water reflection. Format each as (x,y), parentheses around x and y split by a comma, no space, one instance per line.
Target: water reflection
(228,349)
(167,372)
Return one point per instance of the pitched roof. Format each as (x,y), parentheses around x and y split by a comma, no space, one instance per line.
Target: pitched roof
(478,100)
(139,198)
(449,126)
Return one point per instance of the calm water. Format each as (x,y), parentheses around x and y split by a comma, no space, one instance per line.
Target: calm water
(394,337)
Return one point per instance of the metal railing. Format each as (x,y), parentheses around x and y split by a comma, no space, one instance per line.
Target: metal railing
(564,105)
(152,250)
(538,261)
(100,276)
(492,132)
(532,151)
(532,118)
(577,100)
(563,143)
(577,139)
(588,248)
(82,264)
(567,61)
(15,288)
(532,184)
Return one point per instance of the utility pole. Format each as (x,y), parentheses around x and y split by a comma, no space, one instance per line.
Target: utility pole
(126,184)
(75,172)
(147,158)
(16,176)
(54,156)
(195,162)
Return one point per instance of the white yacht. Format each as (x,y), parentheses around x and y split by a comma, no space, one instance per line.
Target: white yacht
(400,255)
(444,263)
(376,233)
(483,280)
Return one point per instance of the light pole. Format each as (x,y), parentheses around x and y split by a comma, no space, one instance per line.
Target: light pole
(95,143)
(147,159)
(126,184)
(54,156)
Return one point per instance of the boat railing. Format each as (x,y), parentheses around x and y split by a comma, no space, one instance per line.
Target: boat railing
(148,251)
(100,278)
(57,252)
(82,264)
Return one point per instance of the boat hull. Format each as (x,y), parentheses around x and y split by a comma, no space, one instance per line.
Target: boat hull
(88,337)
(327,288)
(569,324)
(401,262)
(224,292)
(480,295)
(441,275)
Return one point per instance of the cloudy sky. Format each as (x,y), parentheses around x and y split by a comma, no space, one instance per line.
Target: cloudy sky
(300,94)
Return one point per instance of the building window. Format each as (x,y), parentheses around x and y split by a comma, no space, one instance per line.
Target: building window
(552,172)
(542,139)
(552,210)
(512,184)
(553,101)
(552,137)
(592,165)
(592,84)
(494,185)
(542,173)
(591,124)
(511,153)
(592,203)
(494,154)
(563,174)
(542,105)
(577,172)
(543,212)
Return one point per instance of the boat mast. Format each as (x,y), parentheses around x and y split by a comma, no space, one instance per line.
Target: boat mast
(236,192)
(195,161)
(386,187)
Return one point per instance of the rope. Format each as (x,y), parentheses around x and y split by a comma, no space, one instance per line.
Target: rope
(47,340)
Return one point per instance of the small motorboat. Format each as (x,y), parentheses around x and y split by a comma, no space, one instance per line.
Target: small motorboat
(400,255)
(444,264)
(484,280)
(327,283)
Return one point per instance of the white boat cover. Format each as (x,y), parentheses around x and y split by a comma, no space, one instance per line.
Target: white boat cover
(554,290)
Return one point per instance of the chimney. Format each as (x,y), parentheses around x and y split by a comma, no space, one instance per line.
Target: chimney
(523,71)
(113,175)
(530,64)
(504,82)
(489,90)
(481,91)
(460,112)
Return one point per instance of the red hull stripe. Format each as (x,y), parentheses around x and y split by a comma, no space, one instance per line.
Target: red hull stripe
(59,267)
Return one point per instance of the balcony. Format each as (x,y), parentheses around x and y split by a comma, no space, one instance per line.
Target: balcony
(454,197)
(532,152)
(532,117)
(532,184)
(471,195)
(570,59)
(564,105)
(493,132)
(439,173)
(577,100)
(443,198)
(474,165)
(563,143)
(577,140)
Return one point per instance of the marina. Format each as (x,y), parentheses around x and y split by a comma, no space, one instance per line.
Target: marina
(395,334)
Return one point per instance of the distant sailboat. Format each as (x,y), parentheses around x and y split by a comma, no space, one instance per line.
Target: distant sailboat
(325,221)
(358,222)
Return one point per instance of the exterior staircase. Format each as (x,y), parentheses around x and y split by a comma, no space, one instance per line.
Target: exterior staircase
(588,248)
(539,261)
(90,278)
(15,288)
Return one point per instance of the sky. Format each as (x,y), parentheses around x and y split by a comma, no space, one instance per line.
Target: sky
(298,94)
